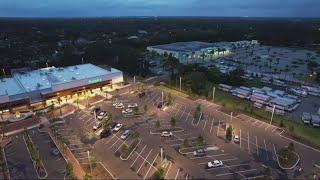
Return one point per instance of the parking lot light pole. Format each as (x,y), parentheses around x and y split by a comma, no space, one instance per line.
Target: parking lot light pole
(240,138)
(274,107)
(134,80)
(218,128)
(180,83)
(161,98)
(231,117)
(89,162)
(213,92)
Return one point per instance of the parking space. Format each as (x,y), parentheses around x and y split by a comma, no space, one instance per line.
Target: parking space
(18,158)
(74,131)
(52,160)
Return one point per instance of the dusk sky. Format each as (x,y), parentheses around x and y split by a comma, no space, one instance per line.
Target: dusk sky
(98,8)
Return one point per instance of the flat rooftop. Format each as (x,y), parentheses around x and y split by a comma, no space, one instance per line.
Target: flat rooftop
(44,78)
(184,46)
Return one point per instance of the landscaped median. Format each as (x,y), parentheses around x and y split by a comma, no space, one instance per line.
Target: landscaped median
(35,157)
(287,158)
(159,131)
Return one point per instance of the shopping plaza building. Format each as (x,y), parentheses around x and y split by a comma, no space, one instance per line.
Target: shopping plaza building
(193,51)
(47,85)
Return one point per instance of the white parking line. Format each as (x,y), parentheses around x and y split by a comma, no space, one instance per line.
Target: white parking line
(177,173)
(183,112)
(151,166)
(236,172)
(265,149)
(187,118)
(165,177)
(144,160)
(211,124)
(180,106)
(139,154)
(226,166)
(209,156)
(205,123)
(121,145)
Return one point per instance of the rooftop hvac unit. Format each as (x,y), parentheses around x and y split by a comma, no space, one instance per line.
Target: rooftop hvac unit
(73,78)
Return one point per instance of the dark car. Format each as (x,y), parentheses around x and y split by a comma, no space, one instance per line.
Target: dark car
(95,109)
(141,94)
(112,125)
(159,105)
(199,152)
(105,133)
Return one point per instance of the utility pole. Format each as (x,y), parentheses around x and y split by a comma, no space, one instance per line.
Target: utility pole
(180,83)
(274,107)
(161,98)
(213,92)
(218,128)
(47,64)
(82,60)
(90,163)
(134,80)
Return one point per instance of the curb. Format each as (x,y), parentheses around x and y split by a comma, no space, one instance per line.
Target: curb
(33,160)
(289,168)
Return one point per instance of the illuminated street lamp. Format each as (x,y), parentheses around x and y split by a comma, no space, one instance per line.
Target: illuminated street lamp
(59,103)
(274,107)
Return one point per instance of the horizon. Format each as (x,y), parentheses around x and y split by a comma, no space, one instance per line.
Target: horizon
(120,8)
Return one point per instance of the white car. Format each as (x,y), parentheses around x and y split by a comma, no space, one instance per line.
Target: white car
(133,105)
(126,111)
(101,115)
(166,134)
(236,139)
(119,106)
(214,164)
(125,135)
(117,127)
(96,125)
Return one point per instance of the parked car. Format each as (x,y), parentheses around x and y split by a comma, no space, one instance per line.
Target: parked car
(125,135)
(133,105)
(166,134)
(141,94)
(214,164)
(96,125)
(102,115)
(105,133)
(117,127)
(236,139)
(112,125)
(94,109)
(199,152)
(127,111)
(55,151)
(119,106)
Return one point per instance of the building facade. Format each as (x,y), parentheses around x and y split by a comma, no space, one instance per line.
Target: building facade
(30,87)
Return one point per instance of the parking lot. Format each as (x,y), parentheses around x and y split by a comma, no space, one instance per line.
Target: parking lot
(55,164)
(18,159)
(258,144)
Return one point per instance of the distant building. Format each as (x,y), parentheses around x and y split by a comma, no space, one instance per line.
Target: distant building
(26,88)
(132,37)
(196,50)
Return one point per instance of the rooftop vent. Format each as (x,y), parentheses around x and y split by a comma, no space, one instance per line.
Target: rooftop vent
(76,67)
(73,78)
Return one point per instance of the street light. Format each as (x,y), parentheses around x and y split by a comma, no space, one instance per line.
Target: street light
(59,103)
(180,83)
(89,161)
(273,109)
(213,92)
